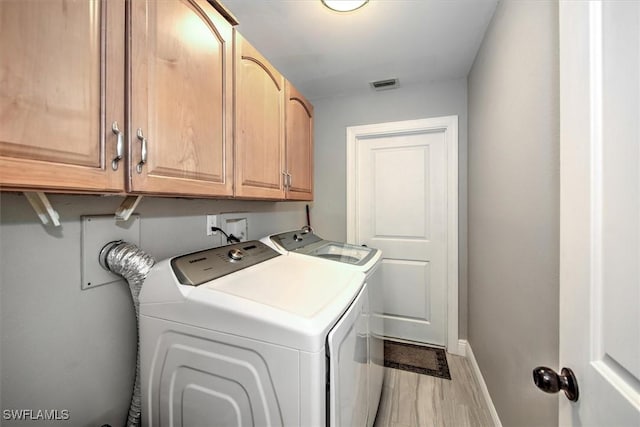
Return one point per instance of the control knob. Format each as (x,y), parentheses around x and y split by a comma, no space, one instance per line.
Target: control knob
(236,254)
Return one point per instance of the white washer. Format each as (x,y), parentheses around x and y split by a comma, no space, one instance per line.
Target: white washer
(359,258)
(241,336)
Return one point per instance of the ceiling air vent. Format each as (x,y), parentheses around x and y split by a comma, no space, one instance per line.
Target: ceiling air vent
(385,84)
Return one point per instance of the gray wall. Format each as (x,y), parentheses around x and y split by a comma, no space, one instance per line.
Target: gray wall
(63,348)
(334,115)
(514,208)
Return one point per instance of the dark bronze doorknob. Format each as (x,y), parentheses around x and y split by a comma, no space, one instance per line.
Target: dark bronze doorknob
(547,380)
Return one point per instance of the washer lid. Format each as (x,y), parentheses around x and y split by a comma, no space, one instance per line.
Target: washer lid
(308,243)
(341,252)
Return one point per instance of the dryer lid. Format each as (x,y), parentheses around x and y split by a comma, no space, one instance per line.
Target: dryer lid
(290,301)
(299,286)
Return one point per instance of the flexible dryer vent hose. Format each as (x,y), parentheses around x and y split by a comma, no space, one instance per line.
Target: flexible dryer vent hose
(133,264)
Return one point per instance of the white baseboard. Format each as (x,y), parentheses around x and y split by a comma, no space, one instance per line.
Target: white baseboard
(460,350)
(465,350)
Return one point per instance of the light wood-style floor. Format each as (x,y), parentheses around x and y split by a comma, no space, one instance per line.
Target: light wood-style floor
(411,400)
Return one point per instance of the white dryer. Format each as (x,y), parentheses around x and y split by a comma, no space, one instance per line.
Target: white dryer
(359,258)
(241,336)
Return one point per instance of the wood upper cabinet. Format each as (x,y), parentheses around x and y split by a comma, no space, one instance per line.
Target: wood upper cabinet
(299,140)
(260,125)
(64,67)
(181,71)
(273,131)
(61,89)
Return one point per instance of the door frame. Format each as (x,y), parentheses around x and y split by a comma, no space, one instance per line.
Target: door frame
(448,125)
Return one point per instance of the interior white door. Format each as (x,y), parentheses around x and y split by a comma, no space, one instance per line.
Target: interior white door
(401,188)
(600,210)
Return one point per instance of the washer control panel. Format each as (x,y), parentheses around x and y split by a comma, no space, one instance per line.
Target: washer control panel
(294,240)
(203,266)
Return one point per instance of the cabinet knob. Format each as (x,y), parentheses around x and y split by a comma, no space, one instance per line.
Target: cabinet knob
(119,145)
(143,151)
(547,380)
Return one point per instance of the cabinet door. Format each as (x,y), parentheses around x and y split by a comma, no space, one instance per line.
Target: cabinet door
(62,87)
(180,95)
(259,125)
(299,145)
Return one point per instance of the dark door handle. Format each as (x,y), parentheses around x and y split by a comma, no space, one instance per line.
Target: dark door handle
(547,380)
(364,245)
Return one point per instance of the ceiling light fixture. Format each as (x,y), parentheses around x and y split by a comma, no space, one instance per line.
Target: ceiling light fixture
(344,5)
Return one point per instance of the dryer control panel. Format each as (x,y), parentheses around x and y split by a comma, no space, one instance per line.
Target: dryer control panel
(203,266)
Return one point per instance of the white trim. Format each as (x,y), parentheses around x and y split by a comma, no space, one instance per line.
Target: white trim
(449,124)
(461,349)
(596,141)
(475,369)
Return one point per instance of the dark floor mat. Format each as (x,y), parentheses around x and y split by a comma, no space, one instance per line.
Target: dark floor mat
(416,358)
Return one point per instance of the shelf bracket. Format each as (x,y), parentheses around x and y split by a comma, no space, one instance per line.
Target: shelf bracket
(40,203)
(127,207)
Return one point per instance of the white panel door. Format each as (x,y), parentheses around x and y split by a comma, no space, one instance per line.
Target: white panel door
(600,210)
(402,210)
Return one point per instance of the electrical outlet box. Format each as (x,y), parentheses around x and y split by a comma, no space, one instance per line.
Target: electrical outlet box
(97,231)
(238,227)
(236,224)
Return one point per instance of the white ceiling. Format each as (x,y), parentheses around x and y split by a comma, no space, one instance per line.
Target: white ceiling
(326,53)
